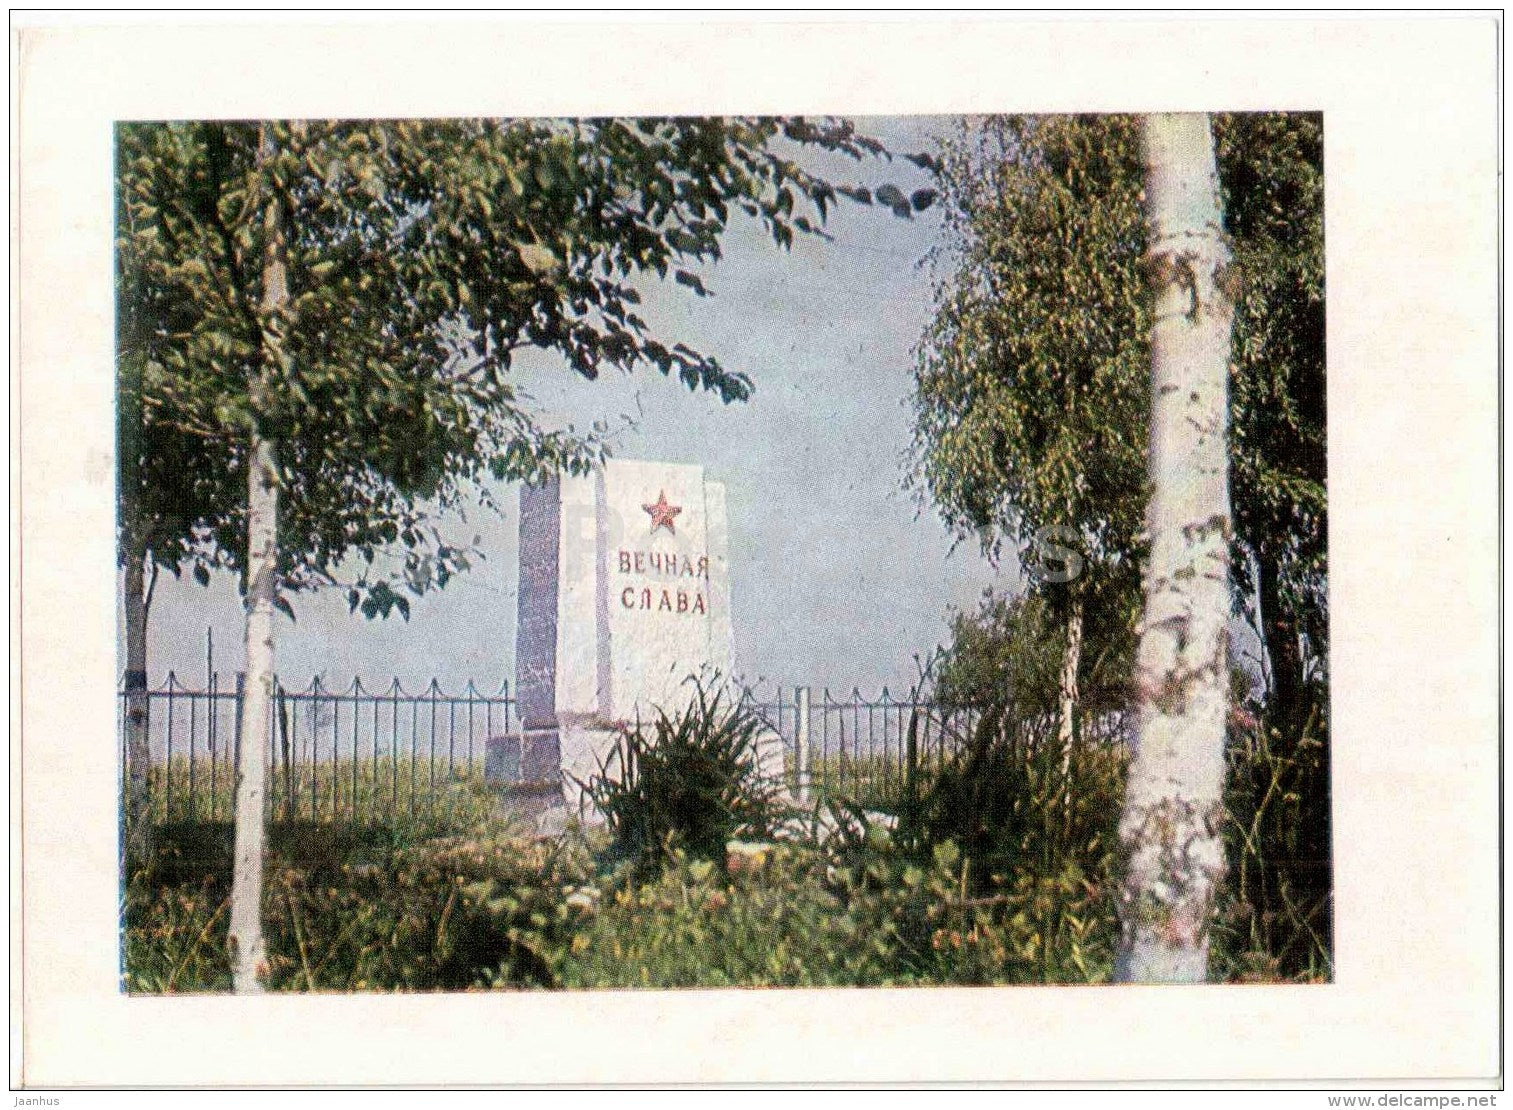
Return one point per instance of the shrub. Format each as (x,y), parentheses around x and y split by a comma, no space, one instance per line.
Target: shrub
(356,909)
(692,783)
(804,919)
(693,926)
(1015,804)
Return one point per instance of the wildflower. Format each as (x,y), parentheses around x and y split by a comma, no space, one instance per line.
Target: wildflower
(741,855)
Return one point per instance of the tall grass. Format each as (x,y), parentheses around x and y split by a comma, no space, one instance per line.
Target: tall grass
(399,905)
(364,789)
(1275,915)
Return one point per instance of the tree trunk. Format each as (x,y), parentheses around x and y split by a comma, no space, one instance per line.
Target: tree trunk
(138,816)
(1171,829)
(246,932)
(1067,696)
(1284,656)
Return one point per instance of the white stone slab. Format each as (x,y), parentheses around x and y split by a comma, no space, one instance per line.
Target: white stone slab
(668,585)
(624,600)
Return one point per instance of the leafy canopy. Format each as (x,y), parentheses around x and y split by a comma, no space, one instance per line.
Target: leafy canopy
(1029,394)
(1032,380)
(422,255)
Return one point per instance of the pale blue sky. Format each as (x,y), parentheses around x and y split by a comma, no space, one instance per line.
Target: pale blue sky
(838,578)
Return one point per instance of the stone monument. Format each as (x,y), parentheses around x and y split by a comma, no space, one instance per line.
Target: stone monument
(624,597)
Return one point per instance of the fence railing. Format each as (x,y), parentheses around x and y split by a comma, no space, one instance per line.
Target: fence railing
(866,750)
(360,755)
(333,755)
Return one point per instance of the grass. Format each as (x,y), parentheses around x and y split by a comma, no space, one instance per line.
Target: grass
(394,905)
(999,869)
(361,790)
(380,908)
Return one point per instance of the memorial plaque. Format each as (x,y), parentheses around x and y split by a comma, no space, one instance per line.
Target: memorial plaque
(624,602)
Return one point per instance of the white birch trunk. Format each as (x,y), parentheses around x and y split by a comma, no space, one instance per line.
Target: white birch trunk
(135,603)
(138,755)
(1067,690)
(1172,824)
(246,928)
(1068,695)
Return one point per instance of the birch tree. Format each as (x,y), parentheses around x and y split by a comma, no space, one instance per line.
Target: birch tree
(1171,826)
(1027,393)
(246,930)
(1032,385)
(317,329)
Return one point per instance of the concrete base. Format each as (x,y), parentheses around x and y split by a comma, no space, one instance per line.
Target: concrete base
(548,768)
(533,756)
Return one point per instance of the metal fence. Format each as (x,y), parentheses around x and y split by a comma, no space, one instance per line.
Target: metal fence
(333,755)
(360,755)
(866,750)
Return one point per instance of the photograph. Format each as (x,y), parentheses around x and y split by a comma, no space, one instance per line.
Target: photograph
(779,549)
(722,552)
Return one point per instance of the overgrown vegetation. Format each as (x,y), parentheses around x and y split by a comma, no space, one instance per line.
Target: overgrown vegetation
(1022,806)
(996,868)
(403,905)
(693,782)
(1275,918)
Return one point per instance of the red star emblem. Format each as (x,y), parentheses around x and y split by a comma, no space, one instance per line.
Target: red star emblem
(662,513)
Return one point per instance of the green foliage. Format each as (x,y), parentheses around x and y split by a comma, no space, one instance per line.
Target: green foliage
(1275,918)
(395,908)
(1032,379)
(1030,394)
(174,937)
(1009,653)
(1034,826)
(693,926)
(1021,811)
(804,919)
(691,781)
(1272,174)
(421,256)
(1024,897)
(360,911)
(1018,805)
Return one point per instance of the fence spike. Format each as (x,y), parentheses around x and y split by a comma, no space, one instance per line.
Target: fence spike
(935,728)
